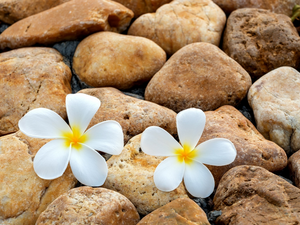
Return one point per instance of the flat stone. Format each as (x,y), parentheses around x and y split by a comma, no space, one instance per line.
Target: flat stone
(87,205)
(108,59)
(261,41)
(294,168)
(192,78)
(23,195)
(253,195)
(134,115)
(31,78)
(68,21)
(131,174)
(180,23)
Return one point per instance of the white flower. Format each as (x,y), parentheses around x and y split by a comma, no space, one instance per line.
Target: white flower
(72,143)
(186,159)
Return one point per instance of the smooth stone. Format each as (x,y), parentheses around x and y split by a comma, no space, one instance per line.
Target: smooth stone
(87,205)
(294,168)
(31,78)
(134,115)
(108,59)
(253,195)
(69,21)
(23,195)
(131,174)
(182,211)
(261,41)
(180,23)
(192,78)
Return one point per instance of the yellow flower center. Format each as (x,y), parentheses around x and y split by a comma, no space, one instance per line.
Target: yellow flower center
(74,138)
(185,154)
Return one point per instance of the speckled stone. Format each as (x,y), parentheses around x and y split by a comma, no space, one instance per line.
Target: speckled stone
(294,168)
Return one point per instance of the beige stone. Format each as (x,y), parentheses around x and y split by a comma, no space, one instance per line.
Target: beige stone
(294,168)
(131,174)
(261,41)
(69,21)
(192,78)
(31,78)
(180,23)
(107,59)
(253,195)
(133,114)
(23,195)
(86,205)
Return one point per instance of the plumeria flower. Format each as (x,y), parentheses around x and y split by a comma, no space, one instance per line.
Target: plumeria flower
(72,143)
(186,159)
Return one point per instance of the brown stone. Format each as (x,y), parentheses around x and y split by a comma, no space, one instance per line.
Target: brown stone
(261,41)
(69,21)
(294,168)
(180,23)
(192,78)
(31,78)
(86,205)
(253,195)
(133,114)
(252,148)
(13,10)
(131,174)
(108,59)
(182,211)
(23,194)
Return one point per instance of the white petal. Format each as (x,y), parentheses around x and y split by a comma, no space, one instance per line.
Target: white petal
(52,159)
(168,174)
(156,141)
(190,125)
(43,123)
(88,166)
(80,109)
(217,152)
(106,137)
(198,180)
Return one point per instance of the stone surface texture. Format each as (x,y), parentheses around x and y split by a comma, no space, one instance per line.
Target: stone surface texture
(134,115)
(87,205)
(294,168)
(23,195)
(131,174)
(108,59)
(192,78)
(180,211)
(68,21)
(252,148)
(180,23)
(31,78)
(253,195)
(261,41)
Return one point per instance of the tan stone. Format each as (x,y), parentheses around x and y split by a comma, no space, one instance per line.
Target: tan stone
(180,211)
(252,148)
(13,10)
(133,114)
(131,174)
(69,21)
(180,23)
(31,78)
(107,59)
(261,41)
(86,205)
(294,168)
(253,195)
(192,78)
(23,195)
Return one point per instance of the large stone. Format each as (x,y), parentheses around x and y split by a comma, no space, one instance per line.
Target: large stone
(107,59)
(261,41)
(23,195)
(253,195)
(294,168)
(31,78)
(69,21)
(192,78)
(180,23)
(86,205)
(133,114)
(131,174)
